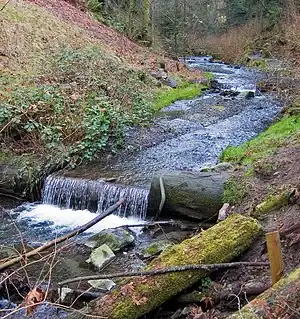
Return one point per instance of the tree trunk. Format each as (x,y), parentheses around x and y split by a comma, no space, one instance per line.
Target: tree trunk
(146,18)
(196,195)
(139,295)
(280,301)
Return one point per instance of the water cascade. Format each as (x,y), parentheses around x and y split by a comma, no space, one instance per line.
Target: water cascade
(94,195)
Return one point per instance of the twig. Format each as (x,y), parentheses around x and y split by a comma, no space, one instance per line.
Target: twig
(51,243)
(206,267)
(163,222)
(10,196)
(5,4)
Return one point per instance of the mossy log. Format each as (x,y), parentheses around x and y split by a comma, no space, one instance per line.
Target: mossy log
(138,296)
(280,301)
(197,195)
(271,203)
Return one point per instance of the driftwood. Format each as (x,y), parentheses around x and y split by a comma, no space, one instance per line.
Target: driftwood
(155,272)
(280,301)
(139,295)
(56,241)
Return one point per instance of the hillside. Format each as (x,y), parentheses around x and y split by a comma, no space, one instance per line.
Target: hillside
(69,87)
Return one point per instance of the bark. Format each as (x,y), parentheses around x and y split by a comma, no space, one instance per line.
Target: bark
(197,195)
(138,296)
(280,301)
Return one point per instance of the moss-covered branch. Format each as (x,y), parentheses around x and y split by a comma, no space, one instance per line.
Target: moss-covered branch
(280,301)
(140,295)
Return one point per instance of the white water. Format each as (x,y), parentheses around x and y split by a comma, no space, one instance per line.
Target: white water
(65,219)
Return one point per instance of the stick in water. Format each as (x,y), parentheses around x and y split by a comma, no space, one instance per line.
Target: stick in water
(56,241)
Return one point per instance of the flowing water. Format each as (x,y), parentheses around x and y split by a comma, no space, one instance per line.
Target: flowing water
(186,135)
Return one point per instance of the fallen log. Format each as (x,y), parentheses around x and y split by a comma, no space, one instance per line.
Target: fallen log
(197,195)
(139,295)
(280,301)
(61,239)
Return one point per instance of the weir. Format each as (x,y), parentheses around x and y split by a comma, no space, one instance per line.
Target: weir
(94,195)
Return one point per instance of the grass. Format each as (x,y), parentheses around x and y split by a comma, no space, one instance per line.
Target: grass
(185,92)
(264,144)
(234,191)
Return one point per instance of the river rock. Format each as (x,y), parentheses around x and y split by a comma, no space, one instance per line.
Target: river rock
(116,239)
(196,195)
(100,256)
(155,248)
(102,284)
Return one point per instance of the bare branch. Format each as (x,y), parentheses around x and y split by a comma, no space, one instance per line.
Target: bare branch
(155,272)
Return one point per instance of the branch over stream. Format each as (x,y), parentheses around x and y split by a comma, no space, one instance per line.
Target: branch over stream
(56,241)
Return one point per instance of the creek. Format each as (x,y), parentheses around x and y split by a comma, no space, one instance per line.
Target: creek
(186,135)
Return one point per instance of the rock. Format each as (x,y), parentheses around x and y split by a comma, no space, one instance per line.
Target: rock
(66,295)
(160,74)
(116,239)
(155,248)
(100,256)
(197,195)
(221,167)
(102,284)
(224,212)
(174,236)
(6,304)
(170,82)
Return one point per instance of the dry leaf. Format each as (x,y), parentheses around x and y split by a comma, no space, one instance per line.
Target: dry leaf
(32,299)
(128,289)
(140,301)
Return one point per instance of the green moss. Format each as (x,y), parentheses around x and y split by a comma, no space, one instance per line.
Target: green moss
(166,96)
(261,64)
(147,293)
(156,248)
(209,76)
(272,202)
(234,191)
(265,143)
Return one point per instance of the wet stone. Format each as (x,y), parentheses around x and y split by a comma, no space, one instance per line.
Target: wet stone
(116,239)
(102,284)
(101,256)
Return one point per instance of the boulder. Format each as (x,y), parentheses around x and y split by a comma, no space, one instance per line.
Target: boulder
(116,239)
(196,195)
(101,256)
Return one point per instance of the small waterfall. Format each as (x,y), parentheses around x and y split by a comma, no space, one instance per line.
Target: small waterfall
(94,195)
